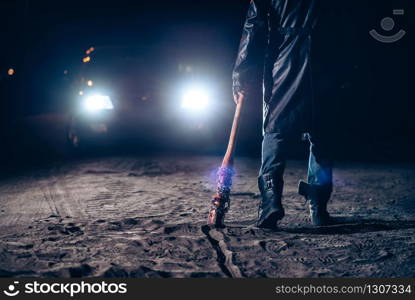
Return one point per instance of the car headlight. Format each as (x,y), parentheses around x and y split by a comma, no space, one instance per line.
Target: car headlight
(98,102)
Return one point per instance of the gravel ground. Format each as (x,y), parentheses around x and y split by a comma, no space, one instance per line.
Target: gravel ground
(145,216)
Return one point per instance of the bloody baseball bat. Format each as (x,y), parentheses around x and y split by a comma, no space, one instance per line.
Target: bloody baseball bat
(221,201)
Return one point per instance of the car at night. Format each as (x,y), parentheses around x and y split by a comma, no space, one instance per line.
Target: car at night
(122,93)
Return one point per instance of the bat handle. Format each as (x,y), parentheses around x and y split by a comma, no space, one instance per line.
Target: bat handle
(221,202)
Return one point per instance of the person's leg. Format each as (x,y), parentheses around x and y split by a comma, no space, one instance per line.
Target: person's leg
(320,164)
(319,182)
(270,180)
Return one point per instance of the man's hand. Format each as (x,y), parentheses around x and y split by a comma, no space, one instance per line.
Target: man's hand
(237,97)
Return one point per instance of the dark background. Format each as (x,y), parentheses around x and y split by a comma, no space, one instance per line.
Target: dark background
(366,83)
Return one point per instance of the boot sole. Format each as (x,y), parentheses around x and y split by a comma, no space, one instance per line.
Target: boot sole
(271,221)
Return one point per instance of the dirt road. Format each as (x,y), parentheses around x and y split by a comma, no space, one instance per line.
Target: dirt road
(144,216)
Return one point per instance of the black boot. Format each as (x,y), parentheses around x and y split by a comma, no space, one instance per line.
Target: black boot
(270,209)
(318,195)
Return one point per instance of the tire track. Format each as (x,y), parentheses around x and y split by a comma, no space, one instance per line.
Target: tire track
(58,194)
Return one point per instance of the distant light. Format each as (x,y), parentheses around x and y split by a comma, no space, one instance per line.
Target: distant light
(98,102)
(195,99)
(90,50)
(81,93)
(90,83)
(86,59)
(10,72)
(185,68)
(65,72)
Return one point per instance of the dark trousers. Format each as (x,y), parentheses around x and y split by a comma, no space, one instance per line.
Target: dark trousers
(274,156)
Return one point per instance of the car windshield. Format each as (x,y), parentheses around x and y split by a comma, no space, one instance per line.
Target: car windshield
(115,62)
(131,71)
